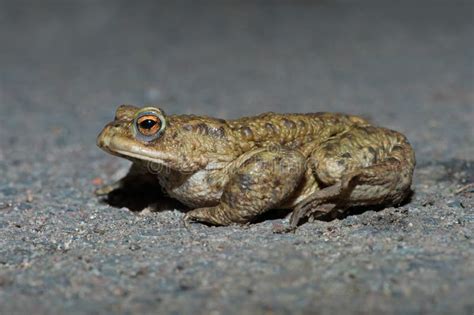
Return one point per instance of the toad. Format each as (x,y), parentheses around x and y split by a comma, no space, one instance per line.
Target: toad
(232,171)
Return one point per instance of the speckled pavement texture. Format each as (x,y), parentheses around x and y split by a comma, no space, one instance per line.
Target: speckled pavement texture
(66,65)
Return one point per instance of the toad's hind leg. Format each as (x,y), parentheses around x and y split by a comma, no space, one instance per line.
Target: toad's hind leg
(365,166)
(260,182)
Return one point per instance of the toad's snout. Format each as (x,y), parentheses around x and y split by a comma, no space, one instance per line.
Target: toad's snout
(103,139)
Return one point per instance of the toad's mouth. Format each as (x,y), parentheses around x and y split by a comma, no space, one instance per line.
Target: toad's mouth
(131,149)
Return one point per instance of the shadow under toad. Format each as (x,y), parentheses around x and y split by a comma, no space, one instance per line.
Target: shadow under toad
(139,195)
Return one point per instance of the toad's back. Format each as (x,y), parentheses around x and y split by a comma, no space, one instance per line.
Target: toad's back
(234,137)
(291,130)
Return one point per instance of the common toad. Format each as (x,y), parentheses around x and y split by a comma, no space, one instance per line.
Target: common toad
(232,171)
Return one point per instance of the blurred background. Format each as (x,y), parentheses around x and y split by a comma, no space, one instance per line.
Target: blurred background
(66,65)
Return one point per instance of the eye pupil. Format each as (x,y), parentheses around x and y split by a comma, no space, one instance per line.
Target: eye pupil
(147,124)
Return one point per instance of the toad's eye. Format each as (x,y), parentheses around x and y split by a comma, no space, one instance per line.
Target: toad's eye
(149,125)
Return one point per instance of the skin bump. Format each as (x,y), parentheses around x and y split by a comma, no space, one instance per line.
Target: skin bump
(246,132)
(289,123)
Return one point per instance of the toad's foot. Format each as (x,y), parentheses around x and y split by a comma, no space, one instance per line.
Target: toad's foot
(219,215)
(107,189)
(315,205)
(313,210)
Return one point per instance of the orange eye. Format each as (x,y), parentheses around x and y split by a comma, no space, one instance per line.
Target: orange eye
(148,125)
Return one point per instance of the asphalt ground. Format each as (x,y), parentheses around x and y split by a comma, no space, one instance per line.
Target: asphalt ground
(66,65)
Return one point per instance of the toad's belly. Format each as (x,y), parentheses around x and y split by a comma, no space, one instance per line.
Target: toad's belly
(201,189)
(205,188)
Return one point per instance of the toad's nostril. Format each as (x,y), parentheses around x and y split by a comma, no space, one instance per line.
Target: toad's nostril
(100,141)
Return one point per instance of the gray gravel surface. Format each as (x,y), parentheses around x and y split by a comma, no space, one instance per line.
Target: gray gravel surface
(66,65)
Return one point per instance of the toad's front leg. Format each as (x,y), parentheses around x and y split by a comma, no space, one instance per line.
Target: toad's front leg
(134,175)
(137,179)
(261,182)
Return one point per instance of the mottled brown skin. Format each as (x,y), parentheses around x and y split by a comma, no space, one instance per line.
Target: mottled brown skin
(231,171)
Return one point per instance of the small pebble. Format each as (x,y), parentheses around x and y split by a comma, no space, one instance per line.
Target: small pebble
(97,181)
(454,203)
(134,247)
(5,205)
